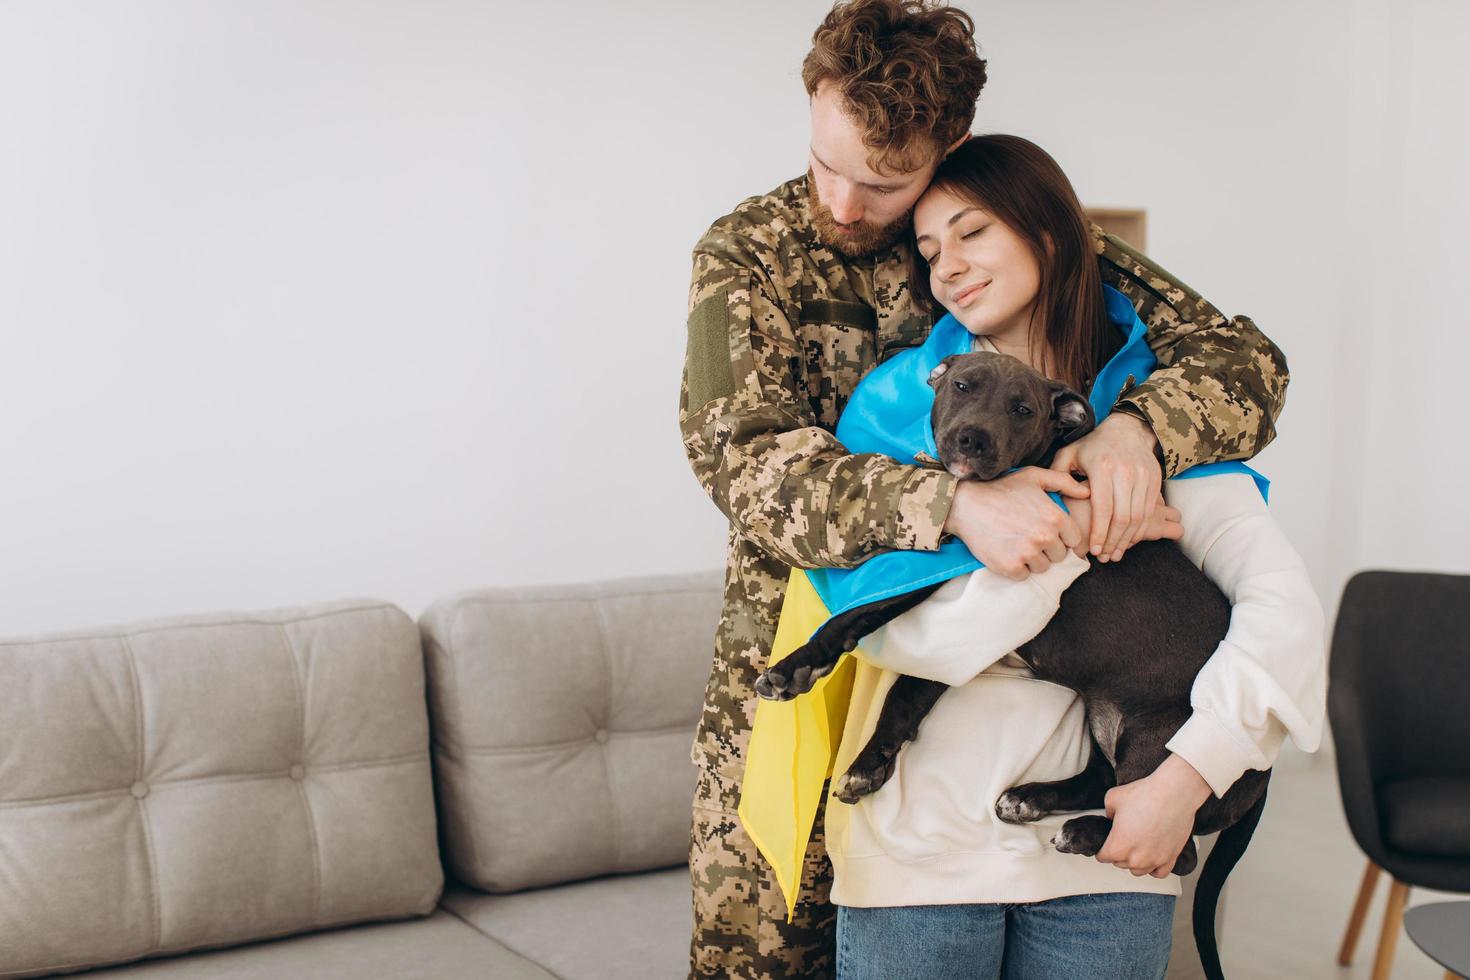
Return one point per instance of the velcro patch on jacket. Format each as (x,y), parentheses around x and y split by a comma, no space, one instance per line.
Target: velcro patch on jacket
(839,311)
(707,366)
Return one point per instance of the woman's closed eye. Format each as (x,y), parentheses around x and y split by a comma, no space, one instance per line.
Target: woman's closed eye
(929,260)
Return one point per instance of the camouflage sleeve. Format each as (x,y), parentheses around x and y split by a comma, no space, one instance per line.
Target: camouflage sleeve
(1221,382)
(753,440)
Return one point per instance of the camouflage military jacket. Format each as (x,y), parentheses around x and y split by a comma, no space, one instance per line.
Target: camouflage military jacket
(782,328)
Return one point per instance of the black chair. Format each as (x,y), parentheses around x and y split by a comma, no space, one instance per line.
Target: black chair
(1398,700)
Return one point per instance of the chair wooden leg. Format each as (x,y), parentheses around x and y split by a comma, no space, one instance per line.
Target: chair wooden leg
(1393,924)
(1360,911)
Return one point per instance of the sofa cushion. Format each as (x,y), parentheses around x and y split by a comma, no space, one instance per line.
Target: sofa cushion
(626,927)
(563,718)
(209,780)
(441,947)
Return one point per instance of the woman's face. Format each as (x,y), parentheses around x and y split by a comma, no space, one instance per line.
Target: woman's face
(979,269)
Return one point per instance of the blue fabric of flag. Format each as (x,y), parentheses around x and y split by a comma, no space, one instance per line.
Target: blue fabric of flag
(889,413)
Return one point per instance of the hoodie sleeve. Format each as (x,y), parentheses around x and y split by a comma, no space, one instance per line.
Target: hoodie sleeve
(940,639)
(1268,676)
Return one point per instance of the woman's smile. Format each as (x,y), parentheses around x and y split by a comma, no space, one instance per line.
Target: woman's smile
(962,298)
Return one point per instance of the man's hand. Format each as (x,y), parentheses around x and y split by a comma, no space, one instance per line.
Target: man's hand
(1118,460)
(1152,818)
(1011,525)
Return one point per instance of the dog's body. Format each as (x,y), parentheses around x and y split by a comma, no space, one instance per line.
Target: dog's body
(1129,637)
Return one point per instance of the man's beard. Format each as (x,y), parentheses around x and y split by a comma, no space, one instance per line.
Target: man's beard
(857,241)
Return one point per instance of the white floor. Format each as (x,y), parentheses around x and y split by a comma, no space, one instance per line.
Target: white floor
(1289,898)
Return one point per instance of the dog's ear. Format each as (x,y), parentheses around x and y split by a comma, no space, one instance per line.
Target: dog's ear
(1071,414)
(939,370)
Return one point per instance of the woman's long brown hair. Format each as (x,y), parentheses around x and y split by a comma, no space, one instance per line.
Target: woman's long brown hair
(1021,185)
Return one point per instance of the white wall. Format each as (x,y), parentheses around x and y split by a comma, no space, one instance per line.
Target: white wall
(1404,439)
(308,299)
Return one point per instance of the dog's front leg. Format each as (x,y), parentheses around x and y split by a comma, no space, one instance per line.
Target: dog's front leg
(908,701)
(798,671)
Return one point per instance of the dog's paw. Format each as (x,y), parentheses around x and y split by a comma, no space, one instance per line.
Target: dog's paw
(774,686)
(1015,808)
(778,684)
(858,782)
(1083,835)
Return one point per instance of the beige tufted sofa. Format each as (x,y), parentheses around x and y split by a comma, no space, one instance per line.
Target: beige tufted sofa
(272,794)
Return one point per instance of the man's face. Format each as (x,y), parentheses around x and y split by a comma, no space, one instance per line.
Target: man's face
(856,210)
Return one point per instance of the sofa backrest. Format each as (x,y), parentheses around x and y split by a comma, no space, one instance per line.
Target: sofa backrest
(563,718)
(208,780)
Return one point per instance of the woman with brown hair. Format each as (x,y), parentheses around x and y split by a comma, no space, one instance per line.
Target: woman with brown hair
(935,876)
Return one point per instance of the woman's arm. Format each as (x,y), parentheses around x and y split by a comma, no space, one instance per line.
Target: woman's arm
(969,623)
(974,620)
(1268,676)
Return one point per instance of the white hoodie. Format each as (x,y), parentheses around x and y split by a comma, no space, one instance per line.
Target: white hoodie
(930,835)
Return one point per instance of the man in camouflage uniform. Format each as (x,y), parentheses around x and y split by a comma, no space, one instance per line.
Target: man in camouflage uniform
(785,317)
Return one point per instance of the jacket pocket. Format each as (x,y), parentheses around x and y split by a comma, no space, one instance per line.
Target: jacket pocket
(835,356)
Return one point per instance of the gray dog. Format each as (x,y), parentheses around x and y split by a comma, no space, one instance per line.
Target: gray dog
(1129,637)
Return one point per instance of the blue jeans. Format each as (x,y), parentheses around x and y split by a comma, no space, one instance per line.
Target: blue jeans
(1117,935)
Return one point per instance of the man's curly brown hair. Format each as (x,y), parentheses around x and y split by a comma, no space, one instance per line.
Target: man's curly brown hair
(908,72)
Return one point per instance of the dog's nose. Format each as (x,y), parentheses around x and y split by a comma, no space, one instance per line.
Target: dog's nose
(973,441)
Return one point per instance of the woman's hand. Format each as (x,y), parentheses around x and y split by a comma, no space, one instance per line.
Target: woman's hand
(1011,525)
(1162,522)
(1152,818)
(1118,460)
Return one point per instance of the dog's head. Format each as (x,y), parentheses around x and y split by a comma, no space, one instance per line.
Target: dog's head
(992,413)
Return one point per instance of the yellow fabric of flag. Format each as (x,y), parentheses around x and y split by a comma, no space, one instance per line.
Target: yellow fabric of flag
(792,746)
